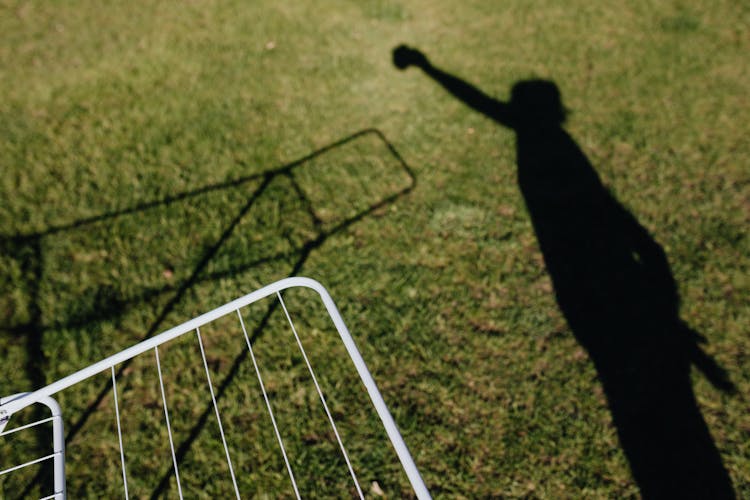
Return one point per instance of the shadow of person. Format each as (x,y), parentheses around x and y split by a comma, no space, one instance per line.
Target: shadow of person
(614,286)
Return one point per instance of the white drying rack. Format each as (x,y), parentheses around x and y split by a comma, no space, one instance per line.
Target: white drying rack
(13,404)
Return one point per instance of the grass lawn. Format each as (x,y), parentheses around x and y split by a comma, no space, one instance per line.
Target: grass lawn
(160,159)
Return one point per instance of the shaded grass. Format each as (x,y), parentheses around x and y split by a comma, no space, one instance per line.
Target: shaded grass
(443,289)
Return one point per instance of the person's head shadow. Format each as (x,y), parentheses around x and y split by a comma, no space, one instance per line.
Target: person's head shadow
(614,285)
(537,101)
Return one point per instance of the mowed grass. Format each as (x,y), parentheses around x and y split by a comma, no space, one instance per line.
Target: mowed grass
(161,159)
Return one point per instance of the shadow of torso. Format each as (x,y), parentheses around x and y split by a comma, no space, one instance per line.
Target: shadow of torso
(614,286)
(605,266)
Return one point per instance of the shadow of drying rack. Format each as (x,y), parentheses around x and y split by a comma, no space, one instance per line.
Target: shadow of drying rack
(28,248)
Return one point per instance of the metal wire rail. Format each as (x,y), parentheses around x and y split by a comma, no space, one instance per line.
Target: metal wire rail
(13,404)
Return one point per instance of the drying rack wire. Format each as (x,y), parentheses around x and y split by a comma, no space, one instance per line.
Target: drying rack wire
(13,404)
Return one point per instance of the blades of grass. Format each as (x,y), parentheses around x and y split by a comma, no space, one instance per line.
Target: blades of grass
(268,405)
(218,417)
(322,398)
(166,416)
(119,432)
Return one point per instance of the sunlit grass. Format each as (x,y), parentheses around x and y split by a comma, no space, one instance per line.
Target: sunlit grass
(172,120)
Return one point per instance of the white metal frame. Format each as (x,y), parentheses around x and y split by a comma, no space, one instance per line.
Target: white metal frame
(13,404)
(58,439)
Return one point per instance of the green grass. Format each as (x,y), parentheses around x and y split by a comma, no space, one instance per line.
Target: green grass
(107,109)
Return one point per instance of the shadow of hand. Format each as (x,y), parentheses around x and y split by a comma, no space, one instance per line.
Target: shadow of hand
(405,56)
